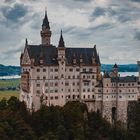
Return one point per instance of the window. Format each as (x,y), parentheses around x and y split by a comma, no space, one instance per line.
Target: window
(56,91)
(67,84)
(93,83)
(51,70)
(88,96)
(51,84)
(77,69)
(68,77)
(84,90)
(88,90)
(44,70)
(56,84)
(77,83)
(51,97)
(44,77)
(86,84)
(73,77)
(46,91)
(73,84)
(84,96)
(84,76)
(73,90)
(38,77)
(90,69)
(56,97)
(51,91)
(46,84)
(71,70)
(62,76)
(56,77)
(88,77)
(84,70)
(38,91)
(38,85)
(56,70)
(92,90)
(93,96)
(51,76)
(120,96)
(38,70)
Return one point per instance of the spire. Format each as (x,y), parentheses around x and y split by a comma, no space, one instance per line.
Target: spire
(46,21)
(61,41)
(115,66)
(26,42)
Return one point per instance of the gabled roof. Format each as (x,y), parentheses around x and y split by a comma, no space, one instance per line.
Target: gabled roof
(50,54)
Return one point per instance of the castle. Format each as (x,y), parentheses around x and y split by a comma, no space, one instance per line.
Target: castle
(55,75)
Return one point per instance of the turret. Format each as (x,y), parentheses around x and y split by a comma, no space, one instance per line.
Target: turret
(61,48)
(46,33)
(115,70)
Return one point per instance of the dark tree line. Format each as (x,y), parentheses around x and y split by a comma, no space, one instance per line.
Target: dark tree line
(71,122)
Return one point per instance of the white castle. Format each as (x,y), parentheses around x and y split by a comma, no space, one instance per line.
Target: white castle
(55,75)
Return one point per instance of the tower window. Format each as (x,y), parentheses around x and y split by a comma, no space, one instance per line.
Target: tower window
(38,85)
(71,69)
(77,69)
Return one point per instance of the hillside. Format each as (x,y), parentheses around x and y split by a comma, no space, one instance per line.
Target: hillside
(15,70)
(9,70)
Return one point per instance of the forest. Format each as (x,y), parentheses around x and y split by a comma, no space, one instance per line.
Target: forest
(71,122)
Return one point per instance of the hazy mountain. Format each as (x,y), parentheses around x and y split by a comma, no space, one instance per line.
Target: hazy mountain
(15,70)
(9,70)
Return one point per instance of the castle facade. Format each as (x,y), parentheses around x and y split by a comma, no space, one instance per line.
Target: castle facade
(55,75)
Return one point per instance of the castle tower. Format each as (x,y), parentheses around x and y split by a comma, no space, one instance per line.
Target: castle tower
(46,32)
(115,70)
(62,64)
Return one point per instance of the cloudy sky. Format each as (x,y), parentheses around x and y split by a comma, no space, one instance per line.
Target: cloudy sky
(113,25)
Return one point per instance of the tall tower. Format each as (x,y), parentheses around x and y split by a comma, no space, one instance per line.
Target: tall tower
(62,64)
(46,32)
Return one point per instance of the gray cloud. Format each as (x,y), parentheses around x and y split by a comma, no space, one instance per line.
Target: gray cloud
(14,13)
(137,35)
(82,0)
(99,12)
(135,0)
(109,24)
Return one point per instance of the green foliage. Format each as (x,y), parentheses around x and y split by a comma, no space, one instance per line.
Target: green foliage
(71,122)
